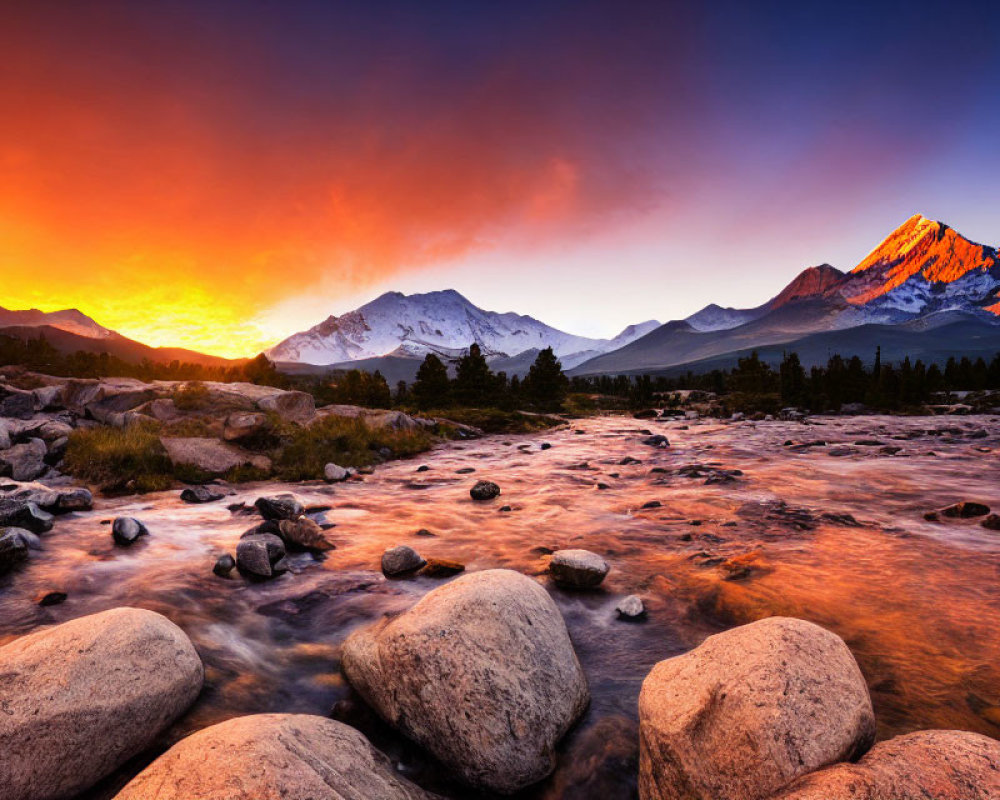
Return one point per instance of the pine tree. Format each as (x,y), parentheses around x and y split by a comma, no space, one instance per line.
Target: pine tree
(432,388)
(545,384)
(474,383)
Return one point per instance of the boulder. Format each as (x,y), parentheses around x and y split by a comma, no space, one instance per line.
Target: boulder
(126,530)
(25,462)
(484,490)
(115,402)
(53,429)
(279,506)
(163,409)
(750,710)
(82,698)
(630,608)
(272,756)
(394,420)
(400,560)
(16,403)
(24,514)
(224,565)
(76,393)
(210,456)
(201,494)
(304,534)
(13,549)
(56,500)
(261,555)
(481,672)
(333,473)
(243,425)
(298,407)
(965,509)
(48,397)
(943,765)
(992,522)
(659,440)
(577,569)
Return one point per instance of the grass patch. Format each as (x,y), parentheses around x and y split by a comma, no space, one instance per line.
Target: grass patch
(344,441)
(119,460)
(495,420)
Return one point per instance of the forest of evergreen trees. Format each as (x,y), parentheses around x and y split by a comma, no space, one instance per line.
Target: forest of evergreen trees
(753,385)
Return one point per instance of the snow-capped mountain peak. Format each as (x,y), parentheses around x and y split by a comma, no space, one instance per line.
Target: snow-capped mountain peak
(443,322)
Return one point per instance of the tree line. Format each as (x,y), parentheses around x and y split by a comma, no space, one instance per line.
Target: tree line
(475,385)
(39,355)
(754,385)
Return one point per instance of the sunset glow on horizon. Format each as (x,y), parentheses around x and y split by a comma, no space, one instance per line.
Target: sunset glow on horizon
(220,175)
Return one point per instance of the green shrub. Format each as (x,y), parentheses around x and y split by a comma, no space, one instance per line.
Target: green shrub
(193,396)
(119,460)
(344,441)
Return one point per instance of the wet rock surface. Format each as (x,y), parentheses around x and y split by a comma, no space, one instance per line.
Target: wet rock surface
(943,765)
(749,710)
(484,490)
(81,698)
(782,525)
(288,756)
(578,569)
(514,685)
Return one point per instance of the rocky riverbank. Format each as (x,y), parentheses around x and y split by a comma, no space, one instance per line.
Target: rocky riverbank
(126,435)
(522,673)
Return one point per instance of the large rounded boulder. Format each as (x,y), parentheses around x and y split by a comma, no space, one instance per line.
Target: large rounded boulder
(943,765)
(273,757)
(481,672)
(749,711)
(81,698)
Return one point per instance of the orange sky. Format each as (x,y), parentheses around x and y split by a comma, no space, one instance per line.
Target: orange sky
(180,171)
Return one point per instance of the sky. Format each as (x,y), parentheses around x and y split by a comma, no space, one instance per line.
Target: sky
(219,175)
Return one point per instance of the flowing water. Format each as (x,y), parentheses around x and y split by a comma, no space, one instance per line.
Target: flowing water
(917,601)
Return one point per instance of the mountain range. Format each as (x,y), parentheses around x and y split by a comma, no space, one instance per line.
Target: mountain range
(925,291)
(444,323)
(920,282)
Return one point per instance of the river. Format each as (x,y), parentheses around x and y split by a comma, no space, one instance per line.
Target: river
(917,601)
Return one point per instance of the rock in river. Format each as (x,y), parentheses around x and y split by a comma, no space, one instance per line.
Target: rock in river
(201,494)
(13,549)
(400,560)
(279,506)
(481,672)
(81,698)
(271,756)
(125,530)
(24,514)
(304,534)
(484,490)
(943,765)
(334,473)
(578,569)
(224,565)
(631,608)
(750,710)
(261,555)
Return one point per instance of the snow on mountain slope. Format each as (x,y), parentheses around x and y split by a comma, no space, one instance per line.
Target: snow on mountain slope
(919,254)
(69,320)
(442,322)
(923,270)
